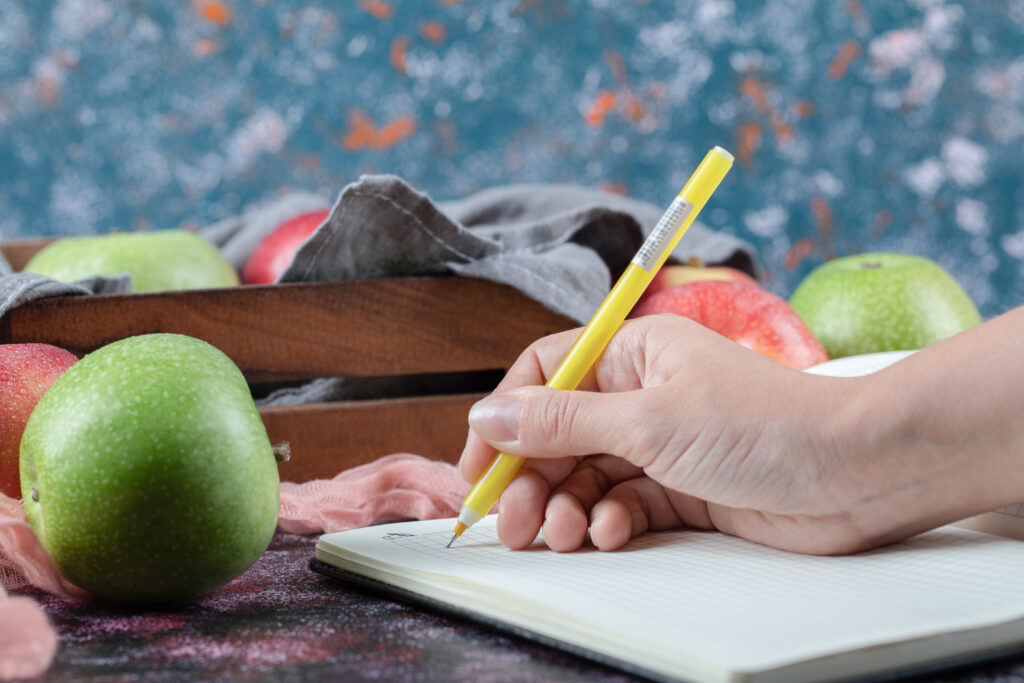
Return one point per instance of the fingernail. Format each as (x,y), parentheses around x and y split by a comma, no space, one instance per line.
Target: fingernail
(496,418)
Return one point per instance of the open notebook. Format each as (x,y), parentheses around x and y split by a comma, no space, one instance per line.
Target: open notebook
(703,606)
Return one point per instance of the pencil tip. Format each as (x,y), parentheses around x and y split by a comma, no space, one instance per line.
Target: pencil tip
(459,528)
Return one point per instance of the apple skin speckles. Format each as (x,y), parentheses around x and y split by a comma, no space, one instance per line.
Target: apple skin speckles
(157,261)
(156,480)
(26,372)
(745,313)
(882,302)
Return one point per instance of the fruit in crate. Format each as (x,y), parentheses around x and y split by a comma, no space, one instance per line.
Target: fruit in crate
(147,472)
(745,313)
(26,372)
(157,261)
(882,302)
(276,251)
(694,270)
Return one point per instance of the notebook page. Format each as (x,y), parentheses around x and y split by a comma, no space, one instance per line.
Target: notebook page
(855,366)
(734,603)
(1007,521)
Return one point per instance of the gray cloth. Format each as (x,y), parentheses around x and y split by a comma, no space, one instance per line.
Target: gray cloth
(19,288)
(560,245)
(238,236)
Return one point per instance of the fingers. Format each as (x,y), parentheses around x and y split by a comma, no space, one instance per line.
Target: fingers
(539,361)
(608,413)
(639,505)
(566,521)
(567,516)
(620,368)
(538,422)
(521,509)
(615,502)
(533,367)
(476,456)
(558,495)
(522,505)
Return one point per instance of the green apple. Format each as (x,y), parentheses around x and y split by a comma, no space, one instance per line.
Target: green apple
(157,261)
(147,473)
(882,302)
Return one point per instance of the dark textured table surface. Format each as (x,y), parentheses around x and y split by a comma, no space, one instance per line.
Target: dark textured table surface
(280,621)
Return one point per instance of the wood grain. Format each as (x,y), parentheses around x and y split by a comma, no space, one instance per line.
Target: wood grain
(300,331)
(295,332)
(327,438)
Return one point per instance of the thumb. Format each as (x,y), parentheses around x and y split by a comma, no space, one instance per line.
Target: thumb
(540,422)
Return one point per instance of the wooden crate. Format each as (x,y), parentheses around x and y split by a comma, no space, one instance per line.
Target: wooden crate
(430,326)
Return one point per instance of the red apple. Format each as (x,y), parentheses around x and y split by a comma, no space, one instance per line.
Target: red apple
(26,372)
(745,313)
(276,251)
(671,275)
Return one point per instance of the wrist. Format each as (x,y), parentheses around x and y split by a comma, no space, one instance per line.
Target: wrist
(900,469)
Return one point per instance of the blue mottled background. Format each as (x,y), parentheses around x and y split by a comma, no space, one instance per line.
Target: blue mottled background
(859,125)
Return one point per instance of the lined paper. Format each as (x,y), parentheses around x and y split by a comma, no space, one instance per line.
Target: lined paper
(736,604)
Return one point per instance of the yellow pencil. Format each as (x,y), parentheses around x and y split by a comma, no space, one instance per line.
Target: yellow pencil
(607,320)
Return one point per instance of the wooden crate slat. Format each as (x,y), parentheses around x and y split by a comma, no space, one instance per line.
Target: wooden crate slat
(405,326)
(300,331)
(327,438)
(19,252)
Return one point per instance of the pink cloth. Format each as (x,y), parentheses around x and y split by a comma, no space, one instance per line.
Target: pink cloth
(393,488)
(396,487)
(22,558)
(27,641)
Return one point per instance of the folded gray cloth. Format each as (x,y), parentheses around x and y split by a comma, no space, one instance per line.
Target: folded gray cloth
(561,245)
(19,288)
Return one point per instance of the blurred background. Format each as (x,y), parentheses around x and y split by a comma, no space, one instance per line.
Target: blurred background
(858,125)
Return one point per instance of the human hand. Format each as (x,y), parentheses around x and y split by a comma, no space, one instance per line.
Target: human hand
(675,426)
(678,426)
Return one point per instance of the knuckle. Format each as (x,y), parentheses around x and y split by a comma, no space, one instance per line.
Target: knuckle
(560,417)
(594,478)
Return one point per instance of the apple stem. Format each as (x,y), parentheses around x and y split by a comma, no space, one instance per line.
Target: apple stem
(282,451)
(871,264)
(695,261)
